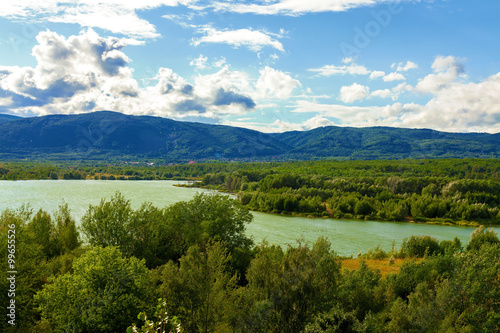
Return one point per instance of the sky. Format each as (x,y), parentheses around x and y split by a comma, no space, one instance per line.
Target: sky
(268,65)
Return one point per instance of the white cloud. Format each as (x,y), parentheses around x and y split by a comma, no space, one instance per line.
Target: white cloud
(89,73)
(394,77)
(200,62)
(456,107)
(219,63)
(317,121)
(354,92)
(6,101)
(376,74)
(382,93)
(294,7)
(404,68)
(329,70)
(273,83)
(446,69)
(461,107)
(255,40)
(116,16)
(393,93)
(281,125)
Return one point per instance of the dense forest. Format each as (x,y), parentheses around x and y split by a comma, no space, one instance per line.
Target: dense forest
(190,267)
(106,136)
(447,191)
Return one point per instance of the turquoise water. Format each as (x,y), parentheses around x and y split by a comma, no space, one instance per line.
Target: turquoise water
(347,237)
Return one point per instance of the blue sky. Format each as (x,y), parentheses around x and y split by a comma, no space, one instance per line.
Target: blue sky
(270,65)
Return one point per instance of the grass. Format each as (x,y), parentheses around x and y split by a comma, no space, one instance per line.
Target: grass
(382,265)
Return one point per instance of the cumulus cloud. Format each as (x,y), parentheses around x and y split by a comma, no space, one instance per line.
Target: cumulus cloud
(376,74)
(382,93)
(461,107)
(394,77)
(254,40)
(393,93)
(455,107)
(282,125)
(89,73)
(273,83)
(200,62)
(446,71)
(354,92)
(404,67)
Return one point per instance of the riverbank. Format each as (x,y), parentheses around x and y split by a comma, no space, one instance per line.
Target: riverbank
(408,219)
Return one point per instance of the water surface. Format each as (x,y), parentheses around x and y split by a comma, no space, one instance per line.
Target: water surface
(347,237)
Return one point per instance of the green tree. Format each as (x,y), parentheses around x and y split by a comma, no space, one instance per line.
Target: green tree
(66,232)
(482,236)
(108,224)
(103,294)
(199,289)
(285,290)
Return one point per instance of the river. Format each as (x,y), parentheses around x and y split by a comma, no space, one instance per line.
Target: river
(347,236)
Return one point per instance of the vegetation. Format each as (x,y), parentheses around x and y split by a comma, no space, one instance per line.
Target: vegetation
(190,268)
(445,191)
(106,135)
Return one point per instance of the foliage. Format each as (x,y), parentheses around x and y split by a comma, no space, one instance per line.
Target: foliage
(199,289)
(102,294)
(163,324)
(482,236)
(110,135)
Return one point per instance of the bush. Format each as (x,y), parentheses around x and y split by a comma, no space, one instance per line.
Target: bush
(419,246)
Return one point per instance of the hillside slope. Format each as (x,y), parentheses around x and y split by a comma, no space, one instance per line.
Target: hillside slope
(112,135)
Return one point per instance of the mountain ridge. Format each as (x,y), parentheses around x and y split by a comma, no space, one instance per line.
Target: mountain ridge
(113,135)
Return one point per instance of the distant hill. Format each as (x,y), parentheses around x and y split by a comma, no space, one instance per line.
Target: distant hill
(105,134)
(5,118)
(388,142)
(112,135)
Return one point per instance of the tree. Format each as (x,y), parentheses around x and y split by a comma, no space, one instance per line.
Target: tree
(103,294)
(285,290)
(41,230)
(108,224)
(66,232)
(205,217)
(199,289)
(482,236)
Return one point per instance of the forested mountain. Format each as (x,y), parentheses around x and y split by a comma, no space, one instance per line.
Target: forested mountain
(6,118)
(109,135)
(387,143)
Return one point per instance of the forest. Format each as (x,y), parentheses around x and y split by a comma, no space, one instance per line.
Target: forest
(447,191)
(439,191)
(190,267)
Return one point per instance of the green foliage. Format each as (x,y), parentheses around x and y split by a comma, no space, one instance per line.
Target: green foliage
(420,246)
(38,254)
(336,320)
(163,324)
(357,292)
(287,288)
(482,236)
(108,224)
(66,232)
(199,289)
(102,294)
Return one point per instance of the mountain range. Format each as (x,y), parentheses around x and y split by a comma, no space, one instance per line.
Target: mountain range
(112,135)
